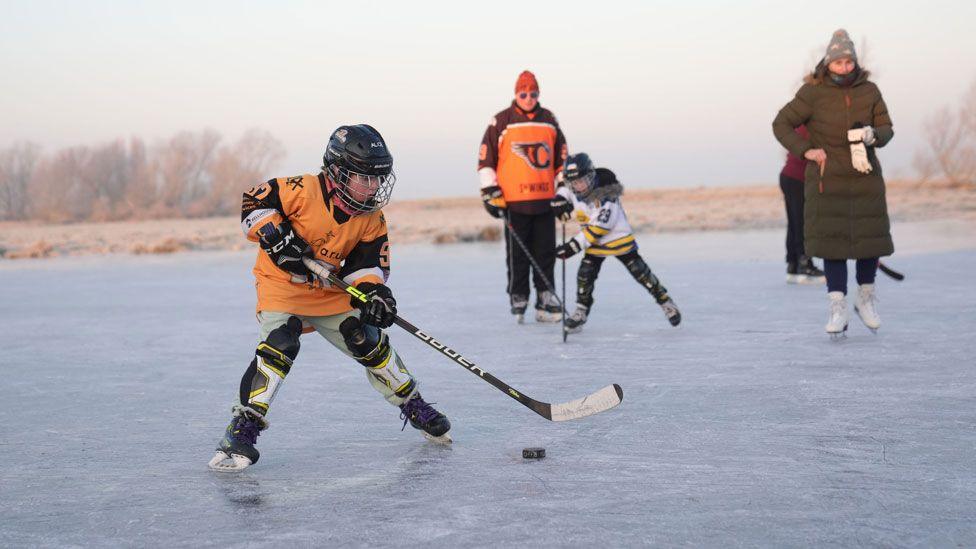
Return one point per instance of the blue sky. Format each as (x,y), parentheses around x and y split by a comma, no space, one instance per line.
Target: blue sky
(666,94)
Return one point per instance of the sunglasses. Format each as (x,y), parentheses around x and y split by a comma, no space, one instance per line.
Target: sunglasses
(533,95)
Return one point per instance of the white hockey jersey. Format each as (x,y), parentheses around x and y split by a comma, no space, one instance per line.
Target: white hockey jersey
(605,229)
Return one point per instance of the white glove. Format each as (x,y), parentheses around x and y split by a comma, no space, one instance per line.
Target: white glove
(868,135)
(859,158)
(865,135)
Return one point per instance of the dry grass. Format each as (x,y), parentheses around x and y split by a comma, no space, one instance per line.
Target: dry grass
(453,220)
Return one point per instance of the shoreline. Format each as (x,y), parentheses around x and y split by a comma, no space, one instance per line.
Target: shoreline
(458,220)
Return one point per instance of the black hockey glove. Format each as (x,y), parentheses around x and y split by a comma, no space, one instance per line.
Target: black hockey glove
(567,250)
(286,250)
(380,310)
(494,201)
(561,207)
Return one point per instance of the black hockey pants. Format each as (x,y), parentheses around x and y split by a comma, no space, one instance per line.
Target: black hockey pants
(538,232)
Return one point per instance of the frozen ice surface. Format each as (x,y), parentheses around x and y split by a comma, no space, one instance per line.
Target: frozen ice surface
(745,426)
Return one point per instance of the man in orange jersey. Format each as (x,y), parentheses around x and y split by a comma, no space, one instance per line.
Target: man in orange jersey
(521,152)
(334,218)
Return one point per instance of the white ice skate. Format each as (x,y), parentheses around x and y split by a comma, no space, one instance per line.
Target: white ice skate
(837,323)
(865,308)
(547,308)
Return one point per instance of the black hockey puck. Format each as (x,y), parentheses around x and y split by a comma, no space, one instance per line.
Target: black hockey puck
(533,453)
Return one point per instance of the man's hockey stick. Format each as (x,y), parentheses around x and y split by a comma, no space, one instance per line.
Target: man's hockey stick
(890,272)
(535,264)
(565,333)
(594,403)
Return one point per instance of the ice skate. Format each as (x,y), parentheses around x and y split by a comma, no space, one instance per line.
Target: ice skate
(808,273)
(519,304)
(864,305)
(575,321)
(422,416)
(791,274)
(547,308)
(236,450)
(837,323)
(670,311)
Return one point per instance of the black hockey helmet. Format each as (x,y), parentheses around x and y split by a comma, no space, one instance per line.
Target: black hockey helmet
(579,174)
(360,168)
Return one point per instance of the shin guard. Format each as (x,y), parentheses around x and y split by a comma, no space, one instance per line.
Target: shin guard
(642,274)
(589,270)
(272,362)
(371,348)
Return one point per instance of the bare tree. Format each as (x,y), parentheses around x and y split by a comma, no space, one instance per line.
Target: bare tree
(245,164)
(182,172)
(190,174)
(17,165)
(950,150)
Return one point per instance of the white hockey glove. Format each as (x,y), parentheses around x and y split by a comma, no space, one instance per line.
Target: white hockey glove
(859,153)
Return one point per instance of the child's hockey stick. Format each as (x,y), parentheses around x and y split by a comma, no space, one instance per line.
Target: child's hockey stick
(594,403)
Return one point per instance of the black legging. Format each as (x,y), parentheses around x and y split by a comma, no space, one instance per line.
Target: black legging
(793,197)
(836,271)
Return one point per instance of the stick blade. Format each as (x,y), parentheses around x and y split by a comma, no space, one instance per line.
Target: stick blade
(594,403)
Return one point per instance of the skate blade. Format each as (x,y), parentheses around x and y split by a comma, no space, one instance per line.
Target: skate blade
(837,336)
(444,439)
(812,280)
(548,317)
(575,330)
(520,319)
(224,463)
(792,279)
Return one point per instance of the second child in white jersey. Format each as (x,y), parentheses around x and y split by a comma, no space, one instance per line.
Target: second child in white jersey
(594,195)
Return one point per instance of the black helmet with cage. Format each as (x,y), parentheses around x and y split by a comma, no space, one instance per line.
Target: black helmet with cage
(359,168)
(579,174)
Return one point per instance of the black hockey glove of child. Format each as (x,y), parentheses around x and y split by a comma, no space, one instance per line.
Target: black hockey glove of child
(286,250)
(494,201)
(561,207)
(567,250)
(380,310)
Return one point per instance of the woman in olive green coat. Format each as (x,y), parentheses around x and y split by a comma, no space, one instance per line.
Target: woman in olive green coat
(845,213)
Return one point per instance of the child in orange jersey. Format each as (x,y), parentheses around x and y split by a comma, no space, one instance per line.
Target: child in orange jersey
(334,218)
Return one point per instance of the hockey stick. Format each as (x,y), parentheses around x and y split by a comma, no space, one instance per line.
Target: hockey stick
(565,333)
(535,264)
(890,272)
(594,403)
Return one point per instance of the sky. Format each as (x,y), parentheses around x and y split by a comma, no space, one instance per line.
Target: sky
(666,94)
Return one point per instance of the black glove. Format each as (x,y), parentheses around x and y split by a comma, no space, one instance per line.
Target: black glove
(567,250)
(380,310)
(494,201)
(286,250)
(561,207)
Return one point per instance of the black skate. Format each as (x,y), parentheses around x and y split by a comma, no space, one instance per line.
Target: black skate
(575,322)
(424,417)
(236,450)
(519,304)
(805,272)
(670,310)
(547,308)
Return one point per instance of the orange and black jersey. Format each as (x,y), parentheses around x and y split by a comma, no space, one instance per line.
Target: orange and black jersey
(525,150)
(355,247)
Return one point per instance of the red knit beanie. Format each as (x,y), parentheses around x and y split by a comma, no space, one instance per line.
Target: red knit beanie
(526,82)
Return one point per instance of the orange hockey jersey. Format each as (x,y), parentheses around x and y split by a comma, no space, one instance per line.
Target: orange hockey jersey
(526,150)
(355,247)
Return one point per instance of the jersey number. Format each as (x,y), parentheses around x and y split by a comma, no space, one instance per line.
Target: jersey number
(385,255)
(604,216)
